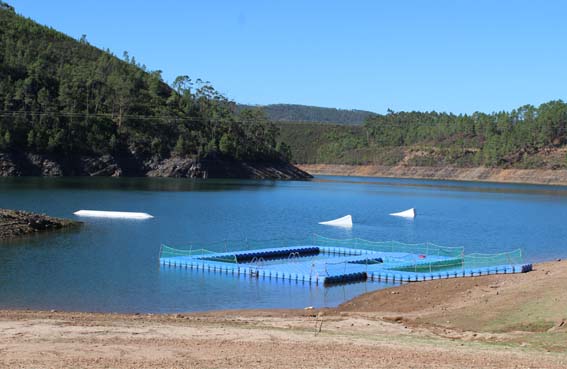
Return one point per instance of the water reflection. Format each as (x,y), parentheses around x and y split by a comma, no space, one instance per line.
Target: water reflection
(131,184)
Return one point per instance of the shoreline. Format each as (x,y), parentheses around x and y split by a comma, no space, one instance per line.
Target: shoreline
(496,175)
(495,321)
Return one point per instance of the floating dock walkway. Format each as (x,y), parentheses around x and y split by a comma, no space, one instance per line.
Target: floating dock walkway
(327,261)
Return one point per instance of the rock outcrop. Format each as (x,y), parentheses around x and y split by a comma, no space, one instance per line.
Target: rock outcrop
(24,164)
(14,223)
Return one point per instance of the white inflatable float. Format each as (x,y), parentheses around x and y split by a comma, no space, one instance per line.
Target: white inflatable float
(345,221)
(410,213)
(112,214)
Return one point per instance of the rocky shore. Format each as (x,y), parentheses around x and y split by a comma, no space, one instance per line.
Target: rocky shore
(26,164)
(14,223)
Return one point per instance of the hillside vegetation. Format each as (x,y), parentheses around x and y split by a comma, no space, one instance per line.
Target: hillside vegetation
(527,137)
(312,114)
(64,97)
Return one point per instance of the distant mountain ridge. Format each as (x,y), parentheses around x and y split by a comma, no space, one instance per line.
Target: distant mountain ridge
(306,113)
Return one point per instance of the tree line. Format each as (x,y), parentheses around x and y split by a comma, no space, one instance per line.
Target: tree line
(493,139)
(524,138)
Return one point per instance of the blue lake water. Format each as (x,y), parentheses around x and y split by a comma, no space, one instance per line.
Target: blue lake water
(112,265)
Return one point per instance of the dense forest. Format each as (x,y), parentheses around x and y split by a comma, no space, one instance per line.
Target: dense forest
(313,114)
(63,96)
(527,137)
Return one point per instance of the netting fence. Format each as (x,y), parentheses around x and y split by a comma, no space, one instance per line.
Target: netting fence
(425,248)
(237,245)
(170,252)
(485,260)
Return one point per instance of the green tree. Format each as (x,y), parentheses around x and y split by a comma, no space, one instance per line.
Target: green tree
(226,145)
(180,148)
(7,142)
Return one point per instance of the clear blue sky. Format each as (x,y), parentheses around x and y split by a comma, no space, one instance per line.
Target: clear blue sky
(458,56)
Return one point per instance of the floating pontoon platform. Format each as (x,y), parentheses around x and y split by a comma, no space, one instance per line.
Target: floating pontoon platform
(352,260)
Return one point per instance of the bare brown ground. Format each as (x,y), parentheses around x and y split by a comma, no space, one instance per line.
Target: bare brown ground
(535,176)
(506,321)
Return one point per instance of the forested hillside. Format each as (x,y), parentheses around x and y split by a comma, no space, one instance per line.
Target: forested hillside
(313,143)
(60,96)
(313,114)
(527,137)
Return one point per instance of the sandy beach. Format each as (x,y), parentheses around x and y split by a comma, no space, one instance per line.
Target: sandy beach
(502,321)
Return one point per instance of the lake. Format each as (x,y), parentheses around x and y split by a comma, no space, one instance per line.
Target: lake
(112,265)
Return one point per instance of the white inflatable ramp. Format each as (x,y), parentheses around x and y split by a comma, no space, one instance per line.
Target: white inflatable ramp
(410,213)
(112,214)
(345,221)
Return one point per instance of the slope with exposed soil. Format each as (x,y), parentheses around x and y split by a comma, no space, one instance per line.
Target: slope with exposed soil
(480,174)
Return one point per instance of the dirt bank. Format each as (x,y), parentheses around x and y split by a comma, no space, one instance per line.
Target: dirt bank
(14,223)
(535,176)
(506,321)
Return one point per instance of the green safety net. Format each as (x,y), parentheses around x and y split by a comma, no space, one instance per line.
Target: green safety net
(168,252)
(486,260)
(434,266)
(471,261)
(243,245)
(389,246)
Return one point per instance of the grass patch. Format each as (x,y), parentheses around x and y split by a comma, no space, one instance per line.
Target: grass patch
(532,326)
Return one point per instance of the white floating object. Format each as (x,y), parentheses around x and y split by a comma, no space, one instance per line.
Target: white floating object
(410,213)
(345,221)
(112,214)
